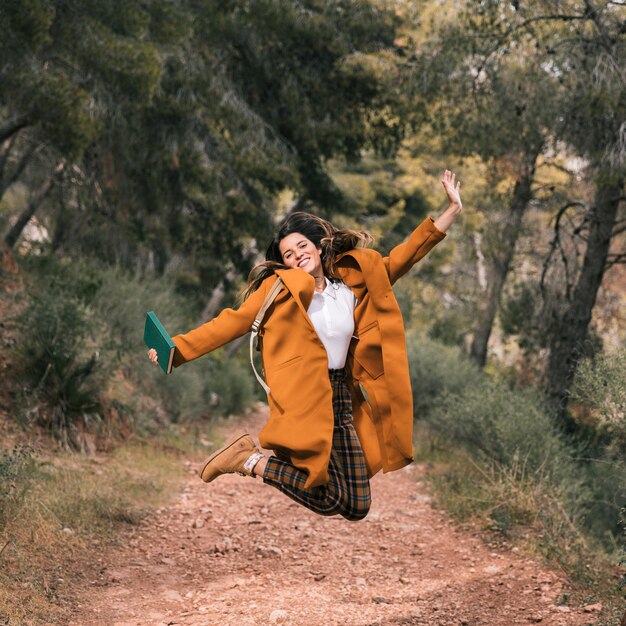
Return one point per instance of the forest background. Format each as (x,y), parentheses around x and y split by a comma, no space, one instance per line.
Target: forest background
(147,151)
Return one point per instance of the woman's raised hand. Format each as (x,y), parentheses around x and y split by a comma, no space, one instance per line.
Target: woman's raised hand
(453,191)
(152,355)
(453,188)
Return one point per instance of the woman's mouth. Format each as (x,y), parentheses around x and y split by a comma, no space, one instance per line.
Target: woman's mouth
(303,262)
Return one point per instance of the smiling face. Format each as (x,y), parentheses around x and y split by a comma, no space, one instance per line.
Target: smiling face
(298,251)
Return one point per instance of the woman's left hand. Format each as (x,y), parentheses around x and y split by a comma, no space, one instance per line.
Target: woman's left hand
(453,191)
(453,188)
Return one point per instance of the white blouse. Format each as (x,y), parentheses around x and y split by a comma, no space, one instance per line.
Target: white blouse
(332,314)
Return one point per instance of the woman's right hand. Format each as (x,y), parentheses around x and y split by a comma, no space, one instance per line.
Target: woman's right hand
(152,355)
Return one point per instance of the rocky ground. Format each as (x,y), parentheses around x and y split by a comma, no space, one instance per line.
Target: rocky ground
(237,552)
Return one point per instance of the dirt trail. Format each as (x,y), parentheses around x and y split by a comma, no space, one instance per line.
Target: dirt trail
(237,552)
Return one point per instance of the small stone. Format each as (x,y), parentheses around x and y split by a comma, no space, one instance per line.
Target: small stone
(563,609)
(264,551)
(403,580)
(167,561)
(198,523)
(172,595)
(279,616)
(535,618)
(68,531)
(592,608)
(381,600)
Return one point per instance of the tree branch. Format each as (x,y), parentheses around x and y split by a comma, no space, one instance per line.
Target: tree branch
(619,230)
(615,259)
(513,29)
(12,127)
(555,245)
(16,230)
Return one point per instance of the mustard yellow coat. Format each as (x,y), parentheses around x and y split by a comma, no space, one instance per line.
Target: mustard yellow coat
(300,425)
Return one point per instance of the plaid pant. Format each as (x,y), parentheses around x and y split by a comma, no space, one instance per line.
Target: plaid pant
(347,493)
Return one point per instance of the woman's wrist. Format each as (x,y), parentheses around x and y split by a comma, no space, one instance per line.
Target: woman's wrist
(444,221)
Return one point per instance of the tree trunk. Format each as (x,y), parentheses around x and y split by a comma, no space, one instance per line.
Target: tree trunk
(7,147)
(5,183)
(501,262)
(14,233)
(215,301)
(571,327)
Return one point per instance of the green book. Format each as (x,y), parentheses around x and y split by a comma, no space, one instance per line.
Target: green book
(155,336)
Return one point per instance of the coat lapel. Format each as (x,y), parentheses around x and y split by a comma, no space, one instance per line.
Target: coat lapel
(359,278)
(301,286)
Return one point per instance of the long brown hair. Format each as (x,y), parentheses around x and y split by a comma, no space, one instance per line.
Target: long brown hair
(332,241)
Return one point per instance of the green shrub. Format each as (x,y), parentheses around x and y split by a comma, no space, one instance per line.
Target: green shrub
(211,385)
(16,471)
(622,583)
(84,360)
(434,369)
(600,387)
(62,366)
(500,424)
(510,432)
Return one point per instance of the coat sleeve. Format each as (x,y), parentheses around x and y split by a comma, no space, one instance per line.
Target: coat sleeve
(404,256)
(228,325)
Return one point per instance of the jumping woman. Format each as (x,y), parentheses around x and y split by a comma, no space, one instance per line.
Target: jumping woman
(334,357)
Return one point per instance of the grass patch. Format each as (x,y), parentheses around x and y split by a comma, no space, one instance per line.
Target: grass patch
(522,508)
(498,461)
(57,512)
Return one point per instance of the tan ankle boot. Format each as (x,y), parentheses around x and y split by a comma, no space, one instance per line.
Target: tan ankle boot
(231,458)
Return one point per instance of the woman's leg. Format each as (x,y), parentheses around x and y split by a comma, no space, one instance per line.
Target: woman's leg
(347,492)
(356,504)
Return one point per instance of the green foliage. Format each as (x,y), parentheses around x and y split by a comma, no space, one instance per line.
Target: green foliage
(509,436)
(600,387)
(383,196)
(623,559)
(184,120)
(62,366)
(518,309)
(210,386)
(16,471)
(435,370)
(84,362)
(502,425)
(449,328)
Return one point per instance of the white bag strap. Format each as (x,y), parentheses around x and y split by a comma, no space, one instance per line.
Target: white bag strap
(256,325)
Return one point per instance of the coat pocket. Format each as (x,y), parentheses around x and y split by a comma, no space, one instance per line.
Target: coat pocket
(368,351)
(287,363)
